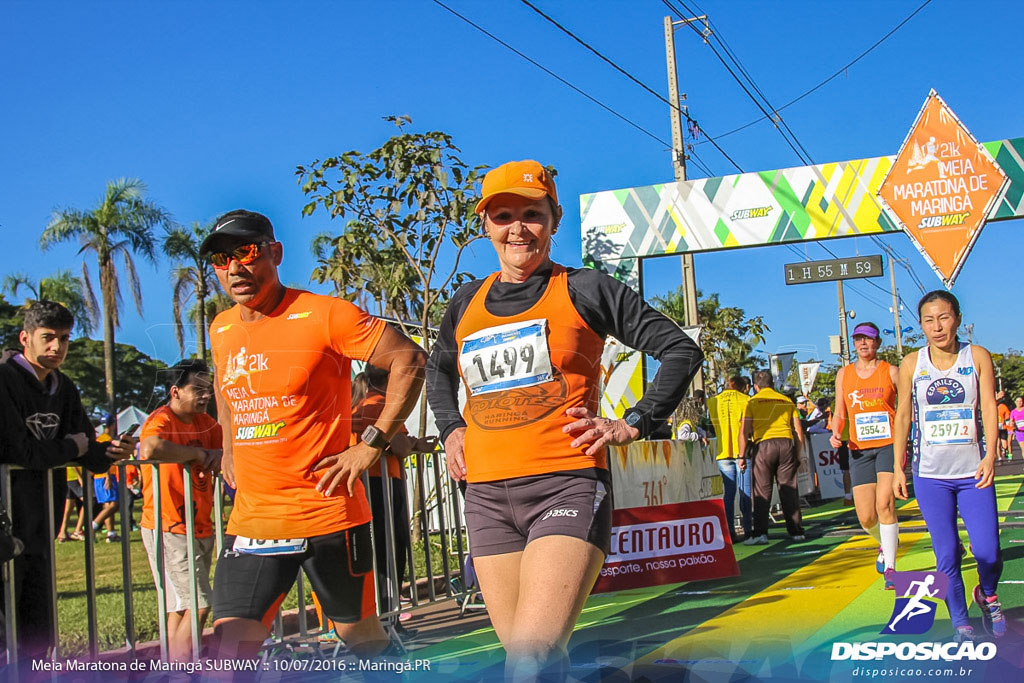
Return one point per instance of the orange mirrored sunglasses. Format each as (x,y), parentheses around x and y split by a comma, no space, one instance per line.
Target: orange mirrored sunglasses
(245,254)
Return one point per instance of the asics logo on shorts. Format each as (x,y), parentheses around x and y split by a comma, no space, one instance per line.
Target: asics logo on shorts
(560,512)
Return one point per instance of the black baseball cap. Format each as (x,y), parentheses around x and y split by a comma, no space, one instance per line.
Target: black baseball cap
(237,227)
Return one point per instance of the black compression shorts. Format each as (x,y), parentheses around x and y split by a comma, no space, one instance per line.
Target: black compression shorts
(339,567)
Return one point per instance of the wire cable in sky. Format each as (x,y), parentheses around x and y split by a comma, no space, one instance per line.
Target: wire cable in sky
(803,153)
(838,72)
(555,76)
(633,78)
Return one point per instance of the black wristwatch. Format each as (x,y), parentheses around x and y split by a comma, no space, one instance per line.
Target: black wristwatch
(634,419)
(374,438)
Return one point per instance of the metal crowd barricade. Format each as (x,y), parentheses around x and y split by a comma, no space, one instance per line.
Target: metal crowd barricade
(440,515)
(88,513)
(439,519)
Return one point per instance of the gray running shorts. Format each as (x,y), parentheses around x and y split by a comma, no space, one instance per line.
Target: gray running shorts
(867,463)
(504,516)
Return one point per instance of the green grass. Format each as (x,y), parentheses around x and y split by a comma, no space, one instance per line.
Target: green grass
(110,611)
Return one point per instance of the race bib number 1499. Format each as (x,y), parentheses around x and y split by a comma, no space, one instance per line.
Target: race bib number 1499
(506,357)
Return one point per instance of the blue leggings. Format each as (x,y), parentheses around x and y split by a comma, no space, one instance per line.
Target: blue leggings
(940,501)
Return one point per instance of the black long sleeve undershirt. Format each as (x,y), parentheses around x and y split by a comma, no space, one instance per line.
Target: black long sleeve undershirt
(607,306)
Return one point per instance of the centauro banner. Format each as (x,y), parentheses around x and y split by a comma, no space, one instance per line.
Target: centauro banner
(663,544)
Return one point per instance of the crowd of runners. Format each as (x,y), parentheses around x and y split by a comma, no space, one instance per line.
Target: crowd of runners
(524,345)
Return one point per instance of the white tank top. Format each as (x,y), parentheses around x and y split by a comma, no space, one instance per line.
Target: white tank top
(947,419)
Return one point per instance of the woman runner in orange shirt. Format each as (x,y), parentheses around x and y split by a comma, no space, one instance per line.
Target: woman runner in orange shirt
(526,343)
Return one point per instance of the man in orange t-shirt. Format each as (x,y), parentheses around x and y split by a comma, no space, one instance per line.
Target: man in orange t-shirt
(283,360)
(181,433)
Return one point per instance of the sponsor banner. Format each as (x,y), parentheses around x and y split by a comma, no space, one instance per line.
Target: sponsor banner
(836,199)
(808,373)
(622,381)
(805,473)
(663,544)
(646,473)
(941,188)
(826,463)
(780,364)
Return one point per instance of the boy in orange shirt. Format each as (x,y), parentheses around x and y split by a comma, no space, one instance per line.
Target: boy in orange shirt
(181,433)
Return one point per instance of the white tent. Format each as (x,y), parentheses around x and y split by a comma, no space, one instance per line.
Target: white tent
(128,417)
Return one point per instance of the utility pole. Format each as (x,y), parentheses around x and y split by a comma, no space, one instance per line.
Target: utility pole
(844,344)
(679,166)
(895,308)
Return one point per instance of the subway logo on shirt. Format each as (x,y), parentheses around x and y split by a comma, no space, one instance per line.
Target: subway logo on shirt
(260,431)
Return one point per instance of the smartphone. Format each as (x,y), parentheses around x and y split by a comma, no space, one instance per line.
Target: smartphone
(130,431)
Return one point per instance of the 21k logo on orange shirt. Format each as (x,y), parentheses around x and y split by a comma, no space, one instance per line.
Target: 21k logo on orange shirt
(941,187)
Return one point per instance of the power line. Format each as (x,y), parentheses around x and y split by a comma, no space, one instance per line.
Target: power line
(732,73)
(555,76)
(806,157)
(835,75)
(633,78)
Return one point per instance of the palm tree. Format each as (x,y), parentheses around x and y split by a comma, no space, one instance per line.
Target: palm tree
(120,225)
(64,288)
(192,278)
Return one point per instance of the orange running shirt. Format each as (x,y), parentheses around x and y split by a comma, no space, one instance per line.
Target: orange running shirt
(203,432)
(870,406)
(287,380)
(1004,416)
(522,373)
(364,414)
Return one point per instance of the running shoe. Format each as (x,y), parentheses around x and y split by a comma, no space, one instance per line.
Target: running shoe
(992,618)
(890,583)
(880,561)
(329,637)
(799,537)
(113,538)
(757,540)
(963,634)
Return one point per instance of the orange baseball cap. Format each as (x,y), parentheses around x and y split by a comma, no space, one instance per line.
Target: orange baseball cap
(524,178)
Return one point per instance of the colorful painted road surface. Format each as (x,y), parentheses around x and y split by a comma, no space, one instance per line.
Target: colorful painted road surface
(782,618)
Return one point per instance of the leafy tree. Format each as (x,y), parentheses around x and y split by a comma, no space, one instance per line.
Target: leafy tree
(408,207)
(1010,371)
(64,288)
(140,379)
(120,225)
(192,279)
(728,336)
(10,324)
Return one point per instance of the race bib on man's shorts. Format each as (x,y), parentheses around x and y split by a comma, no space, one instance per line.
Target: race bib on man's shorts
(264,546)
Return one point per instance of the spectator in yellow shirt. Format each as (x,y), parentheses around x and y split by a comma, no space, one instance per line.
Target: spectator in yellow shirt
(772,424)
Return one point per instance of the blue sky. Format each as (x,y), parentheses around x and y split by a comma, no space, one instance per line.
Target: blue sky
(214,104)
